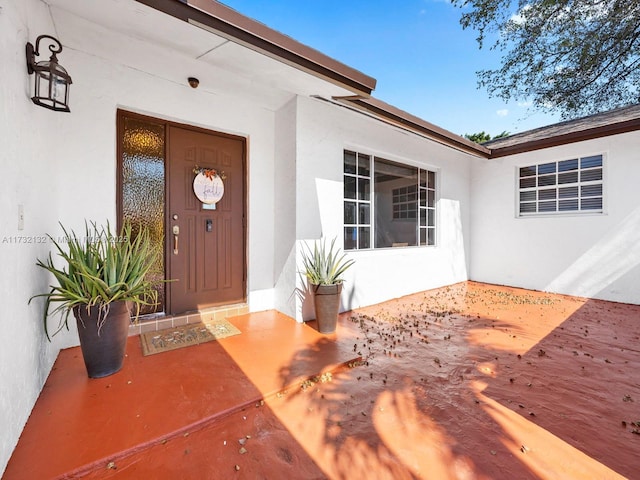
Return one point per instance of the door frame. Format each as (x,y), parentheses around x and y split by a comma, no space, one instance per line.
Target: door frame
(121,114)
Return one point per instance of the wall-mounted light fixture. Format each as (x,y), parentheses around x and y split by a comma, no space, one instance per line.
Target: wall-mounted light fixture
(51,84)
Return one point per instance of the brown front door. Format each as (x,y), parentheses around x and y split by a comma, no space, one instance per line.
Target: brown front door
(205,249)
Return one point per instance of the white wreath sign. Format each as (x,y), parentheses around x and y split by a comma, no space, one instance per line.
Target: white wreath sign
(208,188)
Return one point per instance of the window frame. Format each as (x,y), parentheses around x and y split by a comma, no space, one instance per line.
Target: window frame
(357,176)
(561,168)
(424,170)
(396,201)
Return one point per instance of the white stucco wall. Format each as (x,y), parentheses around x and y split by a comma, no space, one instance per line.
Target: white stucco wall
(284,210)
(590,255)
(29,158)
(102,86)
(323,132)
(62,167)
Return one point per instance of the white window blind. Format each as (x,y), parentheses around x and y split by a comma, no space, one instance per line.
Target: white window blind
(574,185)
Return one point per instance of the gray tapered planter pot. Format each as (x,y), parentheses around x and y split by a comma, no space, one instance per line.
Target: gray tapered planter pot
(326,299)
(103,349)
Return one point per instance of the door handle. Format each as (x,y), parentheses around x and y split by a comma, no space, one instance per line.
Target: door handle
(176,232)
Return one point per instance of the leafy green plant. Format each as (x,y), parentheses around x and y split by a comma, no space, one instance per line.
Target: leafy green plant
(322,266)
(100,268)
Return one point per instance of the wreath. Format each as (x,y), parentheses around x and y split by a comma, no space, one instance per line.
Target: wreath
(210,173)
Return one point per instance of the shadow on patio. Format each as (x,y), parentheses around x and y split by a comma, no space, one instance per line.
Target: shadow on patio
(465,382)
(178,414)
(476,381)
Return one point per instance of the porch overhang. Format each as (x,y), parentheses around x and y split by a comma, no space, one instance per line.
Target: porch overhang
(226,22)
(229,53)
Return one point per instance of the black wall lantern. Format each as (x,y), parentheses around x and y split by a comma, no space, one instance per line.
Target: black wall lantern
(51,84)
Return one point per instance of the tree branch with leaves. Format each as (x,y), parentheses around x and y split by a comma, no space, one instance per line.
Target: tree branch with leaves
(482,137)
(575,57)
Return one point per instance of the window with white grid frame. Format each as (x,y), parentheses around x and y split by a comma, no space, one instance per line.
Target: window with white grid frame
(357,200)
(387,204)
(405,202)
(567,186)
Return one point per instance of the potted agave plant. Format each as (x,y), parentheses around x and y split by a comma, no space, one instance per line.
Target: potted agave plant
(103,278)
(324,268)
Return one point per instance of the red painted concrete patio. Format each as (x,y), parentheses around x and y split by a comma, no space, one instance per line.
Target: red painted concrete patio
(466,382)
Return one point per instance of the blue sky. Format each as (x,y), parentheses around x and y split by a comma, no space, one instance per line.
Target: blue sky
(416,49)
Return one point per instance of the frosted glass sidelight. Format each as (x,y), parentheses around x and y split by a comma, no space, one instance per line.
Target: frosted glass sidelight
(143,177)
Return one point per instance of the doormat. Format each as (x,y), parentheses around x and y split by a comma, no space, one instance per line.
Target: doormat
(185,336)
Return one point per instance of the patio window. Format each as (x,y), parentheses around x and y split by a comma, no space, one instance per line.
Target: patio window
(387,204)
(567,186)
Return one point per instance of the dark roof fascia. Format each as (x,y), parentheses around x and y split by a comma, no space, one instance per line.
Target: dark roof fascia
(415,124)
(572,137)
(237,27)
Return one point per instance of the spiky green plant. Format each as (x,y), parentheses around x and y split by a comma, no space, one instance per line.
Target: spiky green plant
(99,269)
(322,266)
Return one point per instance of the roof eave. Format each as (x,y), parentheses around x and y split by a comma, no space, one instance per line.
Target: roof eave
(231,24)
(572,137)
(395,116)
